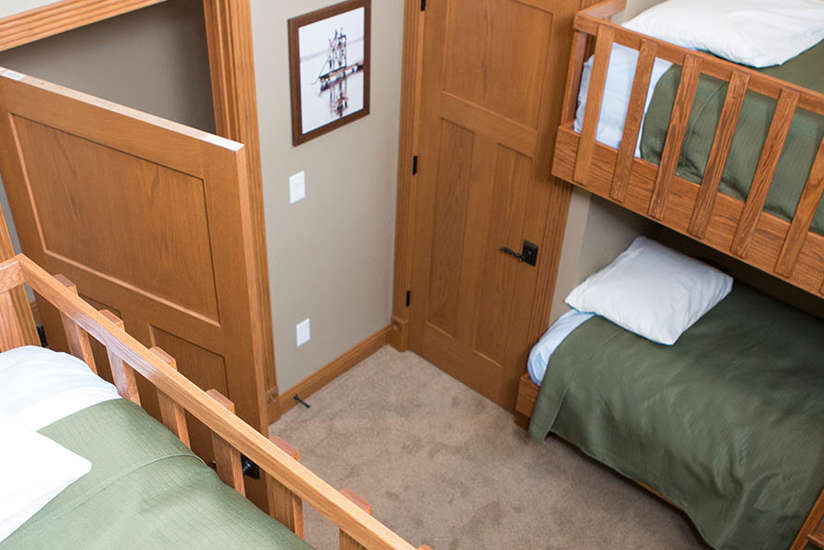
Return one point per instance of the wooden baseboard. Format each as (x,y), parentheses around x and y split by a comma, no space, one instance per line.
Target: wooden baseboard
(334,369)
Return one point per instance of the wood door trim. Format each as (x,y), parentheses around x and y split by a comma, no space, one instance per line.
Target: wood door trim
(412,78)
(36,24)
(232,68)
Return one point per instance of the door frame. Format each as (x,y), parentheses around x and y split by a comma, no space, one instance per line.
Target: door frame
(228,26)
(411,98)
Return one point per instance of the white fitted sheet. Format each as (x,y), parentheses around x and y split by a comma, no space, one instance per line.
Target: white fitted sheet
(39,386)
(542,352)
(620,74)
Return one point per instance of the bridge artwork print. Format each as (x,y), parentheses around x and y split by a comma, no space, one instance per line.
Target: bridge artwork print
(329,64)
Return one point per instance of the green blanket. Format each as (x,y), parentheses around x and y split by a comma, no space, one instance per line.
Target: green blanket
(803,140)
(727,423)
(146,490)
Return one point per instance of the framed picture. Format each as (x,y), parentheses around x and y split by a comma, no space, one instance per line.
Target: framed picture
(329,68)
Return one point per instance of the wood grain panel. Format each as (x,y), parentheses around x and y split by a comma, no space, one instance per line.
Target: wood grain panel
(76,183)
(506,34)
(204,368)
(455,170)
(499,272)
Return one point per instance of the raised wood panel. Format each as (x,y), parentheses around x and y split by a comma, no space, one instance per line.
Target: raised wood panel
(500,275)
(490,94)
(74,182)
(204,368)
(455,170)
(496,54)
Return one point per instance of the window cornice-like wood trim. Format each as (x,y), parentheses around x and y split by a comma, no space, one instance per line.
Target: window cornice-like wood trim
(32,25)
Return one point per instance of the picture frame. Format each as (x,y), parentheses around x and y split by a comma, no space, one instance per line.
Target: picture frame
(330,69)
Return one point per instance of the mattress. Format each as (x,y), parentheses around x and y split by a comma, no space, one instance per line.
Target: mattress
(805,134)
(726,423)
(145,489)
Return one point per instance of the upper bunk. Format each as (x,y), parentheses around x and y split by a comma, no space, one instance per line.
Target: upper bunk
(761,217)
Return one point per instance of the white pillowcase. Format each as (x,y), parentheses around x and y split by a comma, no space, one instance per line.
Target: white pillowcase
(759,33)
(33,470)
(653,291)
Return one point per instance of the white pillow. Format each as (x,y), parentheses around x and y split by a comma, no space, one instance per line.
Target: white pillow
(759,33)
(33,470)
(653,291)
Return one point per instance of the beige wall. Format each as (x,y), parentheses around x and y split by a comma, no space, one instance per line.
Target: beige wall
(331,255)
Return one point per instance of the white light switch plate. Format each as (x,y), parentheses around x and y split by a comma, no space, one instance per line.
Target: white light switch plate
(303,331)
(297,187)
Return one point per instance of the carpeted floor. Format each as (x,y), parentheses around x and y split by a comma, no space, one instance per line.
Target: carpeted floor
(443,466)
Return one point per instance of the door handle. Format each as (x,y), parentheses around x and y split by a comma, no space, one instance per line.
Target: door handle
(528,255)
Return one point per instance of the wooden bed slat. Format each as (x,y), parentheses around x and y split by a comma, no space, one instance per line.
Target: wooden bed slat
(632,124)
(681,110)
(576,64)
(11,333)
(764,172)
(812,529)
(122,374)
(804,214)
(284,505)
(346,541)
(77,338)
(227,459)
(595,95)
(701,215)
(11,276)
(172,414)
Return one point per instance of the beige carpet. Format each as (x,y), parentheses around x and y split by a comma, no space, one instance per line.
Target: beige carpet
(443,466)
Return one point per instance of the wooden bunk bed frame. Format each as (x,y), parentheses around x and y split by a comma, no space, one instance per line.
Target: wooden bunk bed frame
(288,483)
(741,229)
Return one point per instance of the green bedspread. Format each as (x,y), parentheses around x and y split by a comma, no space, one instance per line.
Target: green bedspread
(804,138)
(728,424)
(146,490)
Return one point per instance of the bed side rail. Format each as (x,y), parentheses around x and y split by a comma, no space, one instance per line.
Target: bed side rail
(288,483)
(739,228)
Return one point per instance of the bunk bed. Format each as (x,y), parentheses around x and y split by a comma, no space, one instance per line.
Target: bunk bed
(759,217)
(145,487)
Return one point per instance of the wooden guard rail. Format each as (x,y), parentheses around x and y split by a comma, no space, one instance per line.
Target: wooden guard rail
(740,228)
(288,483)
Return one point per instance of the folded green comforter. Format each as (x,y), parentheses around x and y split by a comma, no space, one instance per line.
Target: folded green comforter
(804,138)
(728,423)
(146,490)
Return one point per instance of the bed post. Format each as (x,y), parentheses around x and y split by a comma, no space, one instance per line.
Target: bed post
(284,505)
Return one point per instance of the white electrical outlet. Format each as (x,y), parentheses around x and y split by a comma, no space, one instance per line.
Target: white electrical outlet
(303,332)
(297,187)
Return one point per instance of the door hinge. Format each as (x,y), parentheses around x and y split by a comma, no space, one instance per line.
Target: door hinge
(415,165)
(423,5)
(408,297)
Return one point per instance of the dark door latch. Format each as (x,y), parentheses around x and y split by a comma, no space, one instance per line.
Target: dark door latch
(528,255)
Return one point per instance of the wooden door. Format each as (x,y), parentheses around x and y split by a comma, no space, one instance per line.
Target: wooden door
(151,220)
(493,76)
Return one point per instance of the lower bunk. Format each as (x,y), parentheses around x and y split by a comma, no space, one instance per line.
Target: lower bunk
(725,424)
(111,476)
